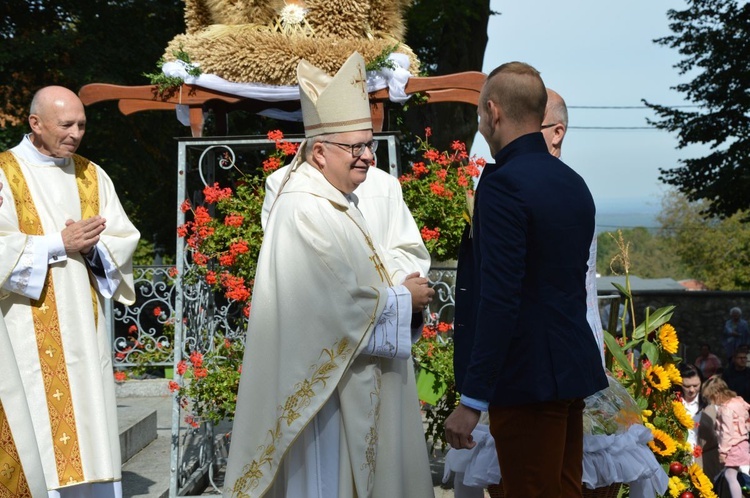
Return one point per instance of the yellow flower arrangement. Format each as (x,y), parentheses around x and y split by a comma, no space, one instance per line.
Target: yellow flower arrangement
(649,376)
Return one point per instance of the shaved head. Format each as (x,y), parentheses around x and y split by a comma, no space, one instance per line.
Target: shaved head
(511,104)
(519,90)
(57,120)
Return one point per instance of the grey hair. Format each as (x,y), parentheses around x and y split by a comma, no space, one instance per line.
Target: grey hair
(735,309)
(313,140)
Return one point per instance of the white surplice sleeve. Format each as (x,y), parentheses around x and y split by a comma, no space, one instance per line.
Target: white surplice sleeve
(27,277)
(393,335)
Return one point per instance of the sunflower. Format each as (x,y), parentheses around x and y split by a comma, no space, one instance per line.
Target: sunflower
(668,338)
(657,378)
(663,444)
(676,486)
(682,416)
(673,373)
(701,482)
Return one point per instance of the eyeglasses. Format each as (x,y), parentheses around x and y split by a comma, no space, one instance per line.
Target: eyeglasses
(356,149)
(550,125)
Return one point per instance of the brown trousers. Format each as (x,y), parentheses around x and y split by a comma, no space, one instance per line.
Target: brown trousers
(540,448)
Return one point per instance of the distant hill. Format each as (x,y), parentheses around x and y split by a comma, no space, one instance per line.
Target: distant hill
(612,214)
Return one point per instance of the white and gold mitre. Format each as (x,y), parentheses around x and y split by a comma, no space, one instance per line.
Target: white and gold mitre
(338,104)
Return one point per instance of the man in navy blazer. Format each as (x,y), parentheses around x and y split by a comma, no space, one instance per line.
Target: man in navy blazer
(526,352)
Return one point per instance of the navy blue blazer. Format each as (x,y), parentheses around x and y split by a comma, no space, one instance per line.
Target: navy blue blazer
(521,334)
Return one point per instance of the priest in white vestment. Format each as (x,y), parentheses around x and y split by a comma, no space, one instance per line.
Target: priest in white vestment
(388,217)
(66,245)
(327,404)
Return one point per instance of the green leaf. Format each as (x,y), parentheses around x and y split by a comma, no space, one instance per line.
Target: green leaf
(655,320)
(618,353)
(651,351)
(623,291)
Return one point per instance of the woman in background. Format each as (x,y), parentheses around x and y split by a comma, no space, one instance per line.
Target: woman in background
(731,428)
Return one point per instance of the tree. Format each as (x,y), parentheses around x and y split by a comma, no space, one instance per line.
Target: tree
(714,38)
(72,43)
(448,37)
(712,249)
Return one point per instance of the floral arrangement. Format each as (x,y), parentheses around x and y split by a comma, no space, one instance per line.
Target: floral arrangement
(439,191)
(225,244)
(433,356)
(210,381)
(650,377)
(224,239)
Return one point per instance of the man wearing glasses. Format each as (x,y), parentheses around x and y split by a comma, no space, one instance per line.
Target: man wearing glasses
(327,405)
(381,202)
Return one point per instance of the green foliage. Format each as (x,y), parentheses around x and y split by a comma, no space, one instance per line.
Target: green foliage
(167,85)
(713,36)
(152,350)
(224,237)
(713,250)
(382,60)
(691,243)
(208,383)
(650,252)
(448,37)
(434,352)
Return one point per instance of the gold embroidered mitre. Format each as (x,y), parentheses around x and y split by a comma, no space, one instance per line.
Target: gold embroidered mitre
(334,104)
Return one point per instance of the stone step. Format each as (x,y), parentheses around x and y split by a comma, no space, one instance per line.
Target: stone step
(137,427)
(145,473)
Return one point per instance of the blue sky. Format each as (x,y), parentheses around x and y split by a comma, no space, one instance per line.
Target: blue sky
(597,53)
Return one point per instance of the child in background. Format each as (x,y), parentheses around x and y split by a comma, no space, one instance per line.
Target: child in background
(731,428)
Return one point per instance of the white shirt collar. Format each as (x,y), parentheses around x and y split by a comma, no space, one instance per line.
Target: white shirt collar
(26,150)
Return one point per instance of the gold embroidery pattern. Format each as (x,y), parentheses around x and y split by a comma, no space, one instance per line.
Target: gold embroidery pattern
(88,186)
(13,482)
(371,438)
(304,392)
(88,191)
(360,82)
(375,258)
(21,194)
(57,387)
(46,321)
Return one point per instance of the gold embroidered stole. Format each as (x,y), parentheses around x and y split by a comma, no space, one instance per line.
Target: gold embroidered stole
(13,481)
(46,320)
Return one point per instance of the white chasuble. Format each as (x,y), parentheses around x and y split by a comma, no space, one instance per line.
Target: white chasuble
(59,344)
(308,389)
